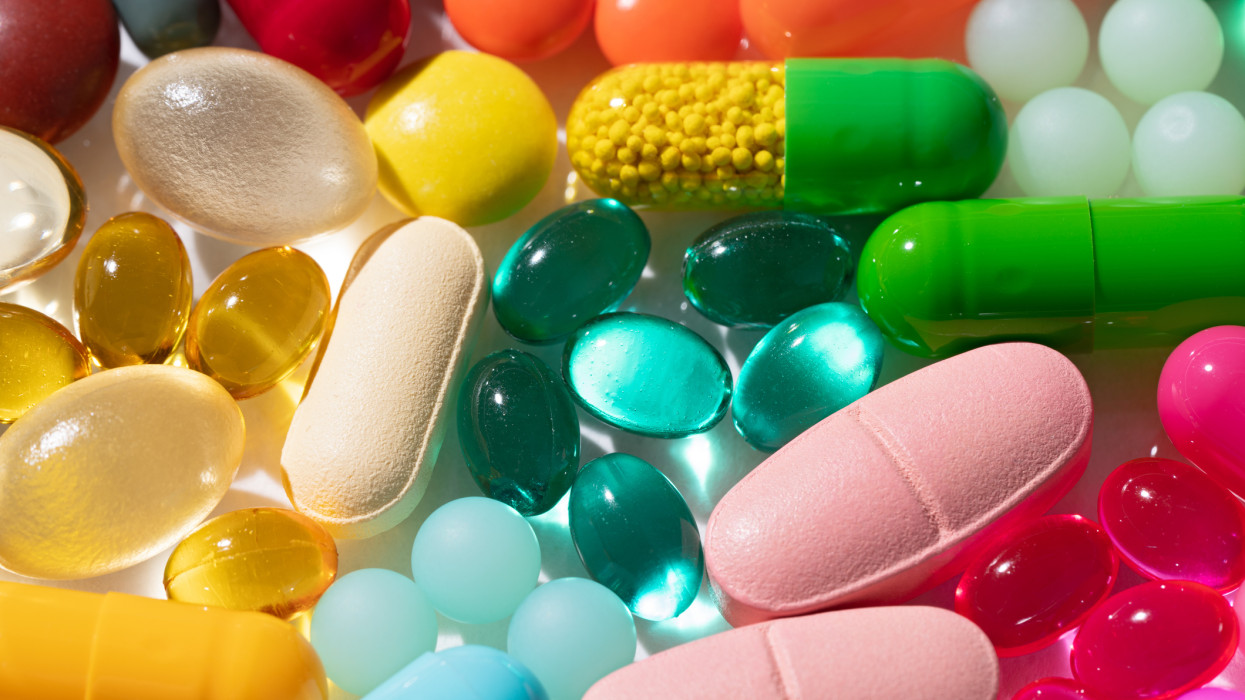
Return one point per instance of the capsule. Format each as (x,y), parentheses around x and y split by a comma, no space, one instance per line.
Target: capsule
(259,320)
(61,645)
(42,204)
(132,291)
(942,277)
(819,135)
(37,357)
(164,26)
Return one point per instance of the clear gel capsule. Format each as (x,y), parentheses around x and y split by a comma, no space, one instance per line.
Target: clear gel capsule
(42,207)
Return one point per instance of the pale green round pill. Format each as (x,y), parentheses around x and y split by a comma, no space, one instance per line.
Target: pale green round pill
(476,558)
(1192,143)
(1154,48)
(571,633)
(1069,141)
(1024,47)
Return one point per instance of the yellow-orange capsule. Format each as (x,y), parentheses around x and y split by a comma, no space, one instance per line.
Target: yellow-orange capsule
(37,357)
(268,560)
(258,320)
(132,291)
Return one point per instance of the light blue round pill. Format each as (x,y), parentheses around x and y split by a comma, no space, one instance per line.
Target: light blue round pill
(468,672)
(369,625)
(571,633)
(476,558)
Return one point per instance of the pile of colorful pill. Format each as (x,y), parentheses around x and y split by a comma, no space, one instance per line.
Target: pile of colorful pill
(511,350)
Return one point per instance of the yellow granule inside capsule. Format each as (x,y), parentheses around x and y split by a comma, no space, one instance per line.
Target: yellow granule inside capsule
(683,135)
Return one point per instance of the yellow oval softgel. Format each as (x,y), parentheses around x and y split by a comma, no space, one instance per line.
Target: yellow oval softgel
(132,291)
(37,357)
(258,320)
(683,134)
(462,136)
(114,468)
(268,560)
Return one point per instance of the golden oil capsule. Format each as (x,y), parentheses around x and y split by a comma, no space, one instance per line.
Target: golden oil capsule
(132,291)
(258,320)
(37,357)
(268,560)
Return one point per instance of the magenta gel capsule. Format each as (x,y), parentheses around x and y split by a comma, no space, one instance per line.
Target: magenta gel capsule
(1053,689)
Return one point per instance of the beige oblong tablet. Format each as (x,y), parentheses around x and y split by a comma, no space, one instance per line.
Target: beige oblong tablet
(362,444)
(894,653)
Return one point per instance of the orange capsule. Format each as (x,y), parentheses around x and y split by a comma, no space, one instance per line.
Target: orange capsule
(656,31)
(520,30)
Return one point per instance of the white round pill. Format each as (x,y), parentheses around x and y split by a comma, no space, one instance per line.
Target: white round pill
(1069,141)
(1191,143)
(1025,47)
(1154,48)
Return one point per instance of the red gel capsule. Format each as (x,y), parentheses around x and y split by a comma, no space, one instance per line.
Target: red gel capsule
(1053,689)
(1037,581)
(1155,641)
(352,45)
(1171,521)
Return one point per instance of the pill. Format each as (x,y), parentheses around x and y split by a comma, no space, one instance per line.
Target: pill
(243,146)
(787,28)
(37,357)
(917,653)
(1069,141)
(1190,143)
(757,269)
(259,320)
(114,468)
(351,46)
(1154,48)
(520,31)
(362,444)
(57,64)
(72,644)
(164,26)
(518,431)
(1052,689)
(942,277)
(649,31)
(1212,694)
(132,291)
(900,490)
(269,560)
(647,375)
(687,111)
(1026,47)
(468,672)
(43,204)
(804,369)
(576,263)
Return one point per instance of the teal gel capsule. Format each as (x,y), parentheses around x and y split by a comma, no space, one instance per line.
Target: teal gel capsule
(942,277)
(807,367)
(647,375)
(757,269)
(636,535)
(469,672)
(163,26)
(580,261)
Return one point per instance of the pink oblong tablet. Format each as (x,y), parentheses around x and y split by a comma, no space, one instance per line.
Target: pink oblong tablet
(908,652)
(896,492)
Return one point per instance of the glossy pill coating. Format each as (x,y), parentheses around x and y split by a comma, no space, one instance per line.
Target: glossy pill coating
(258,321)
(351,46)
(576,263)
(269,560)
(164,26)
(42,204)
(814,363)
(38,356)
(243,146)
(1190,143)
(1026,47)
(57,63)
(132,291)
(468,672)
(1154,48)
(434,164)
(1172,522)
(571,632)
(416,279)
(654,31)
(891,652)
(1155,640)
(757,269)
(1212,694)
(1037,581)
(647,375)
(635,534)
(519,31)
(369,625)
(902,489)
(1069,141)
(518,431)
(1052,689)
(113,469)
(789,28)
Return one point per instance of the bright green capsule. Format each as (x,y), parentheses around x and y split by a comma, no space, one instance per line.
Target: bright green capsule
(518,430)
(647,375)
(580,261)
(636,535)
(807,367)
(757,269)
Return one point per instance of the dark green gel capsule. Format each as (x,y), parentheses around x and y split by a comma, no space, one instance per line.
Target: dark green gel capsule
(164,26)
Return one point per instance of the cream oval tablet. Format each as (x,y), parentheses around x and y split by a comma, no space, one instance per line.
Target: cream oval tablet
(362,444)
(892,494)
